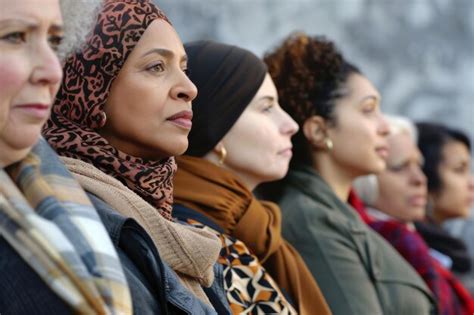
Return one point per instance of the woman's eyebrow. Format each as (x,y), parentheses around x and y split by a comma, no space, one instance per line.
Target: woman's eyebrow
(165,53)
(57,28)
(30,24)
(370,97)
(267,98)
(23,22)
(160,51)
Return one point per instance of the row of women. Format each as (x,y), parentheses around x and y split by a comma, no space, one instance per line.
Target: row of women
(101,213)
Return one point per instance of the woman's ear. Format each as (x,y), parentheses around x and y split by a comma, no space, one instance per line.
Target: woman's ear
(315,131)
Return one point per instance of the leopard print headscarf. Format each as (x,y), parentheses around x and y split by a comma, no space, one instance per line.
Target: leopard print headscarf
(78,110)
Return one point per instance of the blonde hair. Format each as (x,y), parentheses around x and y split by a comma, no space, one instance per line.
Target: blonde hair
(79,17)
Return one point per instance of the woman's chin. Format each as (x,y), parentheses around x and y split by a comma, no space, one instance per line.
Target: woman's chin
(181,148)
(277,175)
(24,142)
(378,167)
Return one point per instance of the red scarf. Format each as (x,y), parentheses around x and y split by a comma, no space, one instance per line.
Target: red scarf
(452,298)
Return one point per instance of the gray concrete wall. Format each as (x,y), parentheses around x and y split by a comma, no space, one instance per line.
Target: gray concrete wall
(419,53)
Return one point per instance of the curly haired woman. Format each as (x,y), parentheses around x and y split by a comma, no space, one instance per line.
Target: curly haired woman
(342,135)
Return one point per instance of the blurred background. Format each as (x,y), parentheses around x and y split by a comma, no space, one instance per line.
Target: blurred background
(419,53)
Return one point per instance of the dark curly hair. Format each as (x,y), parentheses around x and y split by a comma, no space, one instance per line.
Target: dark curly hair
(432,137)
(310,74)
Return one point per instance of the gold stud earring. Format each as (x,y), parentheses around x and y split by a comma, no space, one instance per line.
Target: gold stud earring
(222,155)
(329,144)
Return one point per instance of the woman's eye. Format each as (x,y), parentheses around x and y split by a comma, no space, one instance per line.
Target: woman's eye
(369,109)
(397,168)
(15,37)
(159,67)
(267,108)
(461,169)
(55,41)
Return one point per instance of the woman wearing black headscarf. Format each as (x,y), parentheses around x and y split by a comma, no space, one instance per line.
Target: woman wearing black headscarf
(241,138)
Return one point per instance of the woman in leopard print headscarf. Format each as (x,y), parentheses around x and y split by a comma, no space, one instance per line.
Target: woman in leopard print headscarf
(122,112)
(78,118)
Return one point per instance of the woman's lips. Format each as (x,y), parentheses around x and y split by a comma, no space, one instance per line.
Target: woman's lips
(288,152)
(418,200)
(36,110)
(182,119)
(382,152)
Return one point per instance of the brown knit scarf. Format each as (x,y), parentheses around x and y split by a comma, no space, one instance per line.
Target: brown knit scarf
(78,110)
(213,191)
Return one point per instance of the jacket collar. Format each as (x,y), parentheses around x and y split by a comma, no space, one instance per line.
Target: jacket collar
(186,250)
(309,182)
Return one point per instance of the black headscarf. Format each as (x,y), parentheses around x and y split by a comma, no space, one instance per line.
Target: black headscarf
(227,78)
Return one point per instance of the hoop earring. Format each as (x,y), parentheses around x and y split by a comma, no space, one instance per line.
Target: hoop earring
(102,120)
(222,155)
(329,144)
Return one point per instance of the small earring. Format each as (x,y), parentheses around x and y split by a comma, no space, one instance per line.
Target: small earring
(222,155)
(102,120)
(329,144)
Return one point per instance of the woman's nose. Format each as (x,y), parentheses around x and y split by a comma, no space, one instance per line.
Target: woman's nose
(289,126)
(47,68)
(418,177)
(383,126)
(184,89)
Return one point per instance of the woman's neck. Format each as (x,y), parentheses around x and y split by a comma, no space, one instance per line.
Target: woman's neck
(339,180)
(249,181)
